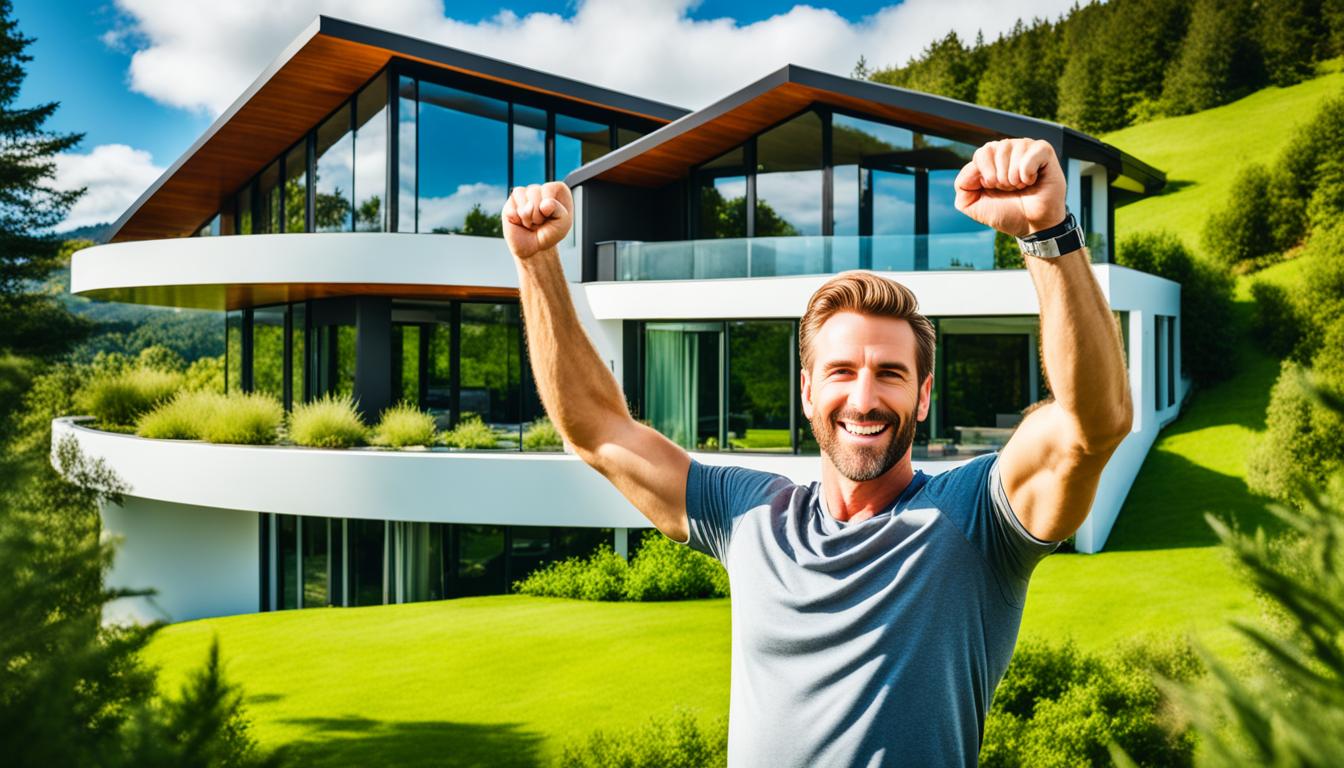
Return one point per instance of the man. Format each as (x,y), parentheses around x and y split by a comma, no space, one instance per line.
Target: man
(873,613)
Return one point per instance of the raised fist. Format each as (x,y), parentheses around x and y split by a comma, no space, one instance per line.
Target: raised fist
(1015,186)
(537,217)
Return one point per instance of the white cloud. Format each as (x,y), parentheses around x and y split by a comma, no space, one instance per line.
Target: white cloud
(201,55)
(115,176)
(450,211)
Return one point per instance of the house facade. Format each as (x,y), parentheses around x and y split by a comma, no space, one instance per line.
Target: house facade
(343,214)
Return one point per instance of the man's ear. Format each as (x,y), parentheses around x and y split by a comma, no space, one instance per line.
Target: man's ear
(925,392)
(805,387)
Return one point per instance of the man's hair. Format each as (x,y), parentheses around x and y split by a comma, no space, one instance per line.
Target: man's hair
(867,294)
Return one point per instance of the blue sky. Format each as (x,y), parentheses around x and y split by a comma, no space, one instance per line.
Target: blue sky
(142,79)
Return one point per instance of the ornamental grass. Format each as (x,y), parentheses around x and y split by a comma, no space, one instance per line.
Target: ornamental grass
(117,400)
(238,419)
(404,425)
(471,433)
(328,422)
(541,435)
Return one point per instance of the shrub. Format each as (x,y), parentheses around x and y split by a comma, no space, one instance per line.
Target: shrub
(207,373)
(1206,301)
(1318,139)
(471,433)
(117,400)
(328,422)
(1057,706)
(1320,303)
(1302,441)
(1258,221)
(403,425)
(675,742)
(1275,323)
(662,569)
(541,435)
(181,418)
(253,418)
(1327,199)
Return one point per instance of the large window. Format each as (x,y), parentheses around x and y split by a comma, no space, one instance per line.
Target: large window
(268,200)
(366,556)
(462,171)
(529,146)
(407,119)
(491,368)
(760,385)
(578,142)
(296,188)
(370,183)
(268,351)
(333,187)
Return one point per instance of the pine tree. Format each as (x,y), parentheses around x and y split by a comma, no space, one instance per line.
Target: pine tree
(1288,32)
(1082,103)
(31,322)
(1021,71)
(1218,61)
(946,67)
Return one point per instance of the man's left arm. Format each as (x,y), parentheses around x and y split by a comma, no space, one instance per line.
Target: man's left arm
(1052,464)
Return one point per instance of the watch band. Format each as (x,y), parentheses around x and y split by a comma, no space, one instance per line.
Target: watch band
(1065,237)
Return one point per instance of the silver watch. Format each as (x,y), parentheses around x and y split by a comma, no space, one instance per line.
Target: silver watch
(1065,237)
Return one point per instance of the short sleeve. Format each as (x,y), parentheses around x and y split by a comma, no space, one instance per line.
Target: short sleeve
(717,497)
(973,494)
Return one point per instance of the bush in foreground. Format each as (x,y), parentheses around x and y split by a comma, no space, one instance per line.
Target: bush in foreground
(662,569)
(471,433)
(328,422)
(404,425)
(116,400)
(1303,440)
(676,742)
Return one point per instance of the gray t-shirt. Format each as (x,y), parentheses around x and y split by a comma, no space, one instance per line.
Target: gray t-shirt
(871,643)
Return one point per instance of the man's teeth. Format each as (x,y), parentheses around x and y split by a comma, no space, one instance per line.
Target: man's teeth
(858,430)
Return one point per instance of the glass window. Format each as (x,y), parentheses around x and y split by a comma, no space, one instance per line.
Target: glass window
(316,545)
(406,363)
(721,193)
(857,148)
(789,178)
(480,560)
(233,351)
(296,188)
(462,169)
(287,560)
(268,351)
(491,380)
(530,549)
(335,176)
(986,377)
(298,391)
(366,550)
(681,382)
(332,355)
(244,218)
(529,146)
(422,561)
(760,385)
(626,135)
(578,142)
(371,156)
(406,157)
(269,200)
(956,241)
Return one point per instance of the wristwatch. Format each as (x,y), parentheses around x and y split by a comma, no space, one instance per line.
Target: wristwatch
(1065,237)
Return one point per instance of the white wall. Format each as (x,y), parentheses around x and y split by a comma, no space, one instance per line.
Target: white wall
(203,561)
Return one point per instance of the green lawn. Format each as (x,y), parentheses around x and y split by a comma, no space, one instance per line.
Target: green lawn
(1202,153)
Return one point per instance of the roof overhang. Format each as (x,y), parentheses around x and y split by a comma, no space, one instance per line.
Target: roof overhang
(321,68)
(669,153)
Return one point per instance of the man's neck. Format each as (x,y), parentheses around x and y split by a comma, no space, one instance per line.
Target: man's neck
(850,501)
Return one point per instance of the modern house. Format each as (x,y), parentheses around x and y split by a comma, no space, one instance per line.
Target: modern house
(343,213)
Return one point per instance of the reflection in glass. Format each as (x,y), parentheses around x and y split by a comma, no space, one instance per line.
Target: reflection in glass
(529,146)
(463,161)
(759,385)
(439,369)
(366,549)
(955,239)
(491,376)
(371,156)
(480,560)
(422,561)
(681,382)
(406,157)
(333,355)
(244,217)
(335,175)
(530,549)
(287,560)
(789,178)
(268,351)
(578,142)
(296,188)
(268,184)
(233,351)
(316,545)
(986,378)
(298,391)
(406,363)
(721,192)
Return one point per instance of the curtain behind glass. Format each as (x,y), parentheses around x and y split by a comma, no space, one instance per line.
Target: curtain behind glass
(670,383)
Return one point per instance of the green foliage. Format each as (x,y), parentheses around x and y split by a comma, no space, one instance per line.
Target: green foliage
(1275,324)
(1258,221)
(117,400)
(541,435)
(478,223)
(1206,301)
(328,422)
(1289,710)
(1302,439)
(404,425)
(945,67)
(1320,302)
(1326,204)
(661,569)
(1287,32)
(182,418)
(676,742)
(206,373)
(471,433)
(1021,70)
(1007,253)
(1218,61)
(1057,706)
(1313,145)
(236,418)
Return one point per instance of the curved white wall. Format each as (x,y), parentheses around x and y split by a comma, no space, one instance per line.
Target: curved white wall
(197,271)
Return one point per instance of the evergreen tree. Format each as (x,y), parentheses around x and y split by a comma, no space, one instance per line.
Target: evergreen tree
(1288,33)
(1332,20)
(1021,71)
(1082,102)
(1218,61)
(1141,39)
(946,68)
(31,322)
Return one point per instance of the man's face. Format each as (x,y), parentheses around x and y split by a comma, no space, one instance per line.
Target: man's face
(862,394)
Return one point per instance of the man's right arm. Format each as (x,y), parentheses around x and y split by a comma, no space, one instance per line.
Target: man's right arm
(579,393)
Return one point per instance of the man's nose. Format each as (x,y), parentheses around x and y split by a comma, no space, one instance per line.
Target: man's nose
(863,392)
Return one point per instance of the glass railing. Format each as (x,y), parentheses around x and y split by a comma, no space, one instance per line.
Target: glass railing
(805,255)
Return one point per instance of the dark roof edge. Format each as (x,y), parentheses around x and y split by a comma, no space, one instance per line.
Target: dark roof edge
(1125,164)
(403,45)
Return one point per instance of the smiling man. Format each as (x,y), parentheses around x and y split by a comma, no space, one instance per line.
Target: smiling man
(875,612)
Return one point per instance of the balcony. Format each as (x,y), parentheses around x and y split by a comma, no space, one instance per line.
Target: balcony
(628,260)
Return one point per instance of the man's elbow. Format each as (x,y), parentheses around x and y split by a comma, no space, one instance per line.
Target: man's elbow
(1108,429)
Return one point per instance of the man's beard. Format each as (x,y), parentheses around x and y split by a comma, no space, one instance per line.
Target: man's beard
(861,464)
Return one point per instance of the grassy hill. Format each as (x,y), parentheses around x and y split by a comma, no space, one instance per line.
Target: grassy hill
(508,680)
